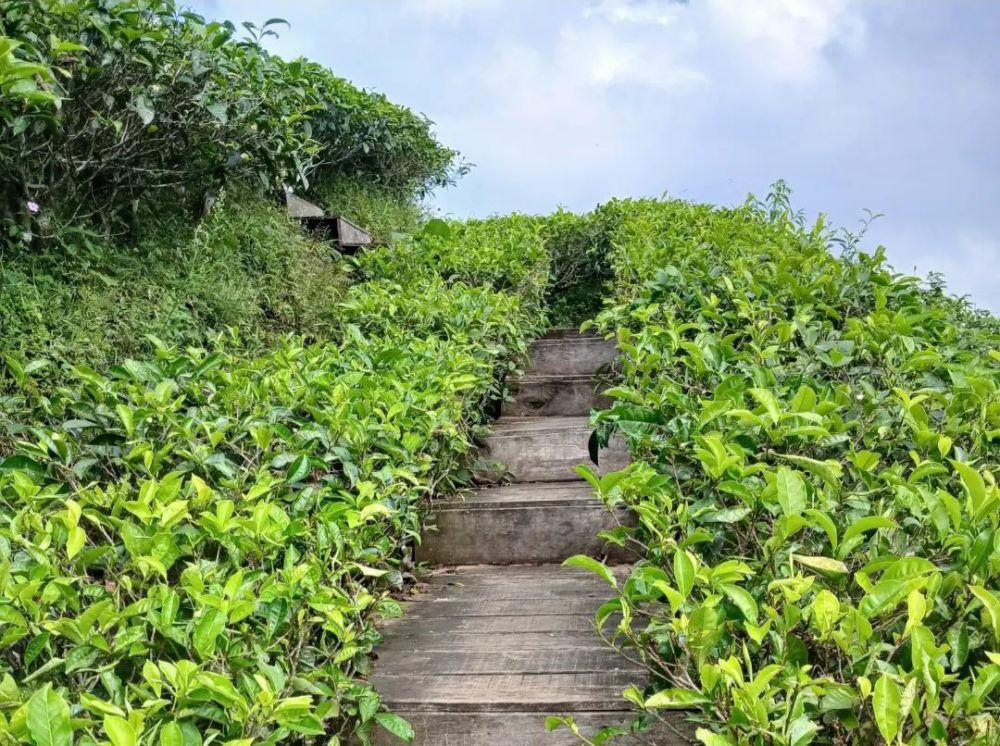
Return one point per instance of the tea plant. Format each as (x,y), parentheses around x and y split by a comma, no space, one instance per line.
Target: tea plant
(159,107)
(143,152)
(246,265)
(815,478)
(195,547)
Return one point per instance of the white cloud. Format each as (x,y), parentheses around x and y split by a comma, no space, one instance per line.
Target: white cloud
(548,121)
(660,12)
(781,40)
(600,56)
(530,120)
(785,39)
(449,11)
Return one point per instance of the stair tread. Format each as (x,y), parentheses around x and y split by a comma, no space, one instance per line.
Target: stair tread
(567,333)
(542,395)
(524,494)
(571,353)
(515,426)
(547,693)
(474,728)
(547,449)
(542,576)
(443,651)
(556,378)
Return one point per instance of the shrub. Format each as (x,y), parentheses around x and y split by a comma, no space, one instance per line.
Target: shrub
(247,265)
(506,254)
(114,106)
(381,213)
(195,547)
(815,442)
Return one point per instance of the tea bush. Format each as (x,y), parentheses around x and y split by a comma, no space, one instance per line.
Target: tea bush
(142,153)
(114,109)
(246,265)
(195,547)
(581,263)
(505,254)
(815,477)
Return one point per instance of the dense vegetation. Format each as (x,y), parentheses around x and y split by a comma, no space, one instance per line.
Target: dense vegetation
(111,106)
(815,479)
(143,152)
(196,546)
(216,435)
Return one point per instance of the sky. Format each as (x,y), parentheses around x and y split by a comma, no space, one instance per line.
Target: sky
(886,105)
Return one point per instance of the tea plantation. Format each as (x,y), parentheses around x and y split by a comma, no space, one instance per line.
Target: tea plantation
(219,439)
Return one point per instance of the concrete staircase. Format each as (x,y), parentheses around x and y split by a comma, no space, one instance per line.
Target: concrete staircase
(501,635)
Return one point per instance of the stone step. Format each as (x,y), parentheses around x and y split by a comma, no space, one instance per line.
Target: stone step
(545,449)
(566,352)
(482,662)
(506,692)
(534,640)
(520,581)
(484,653)
(516,729)
(544,395)
(520,524)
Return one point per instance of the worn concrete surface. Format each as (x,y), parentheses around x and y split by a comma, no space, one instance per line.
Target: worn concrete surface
(568,353)
(545,449)
(521,523)
(542,395)
(486,651)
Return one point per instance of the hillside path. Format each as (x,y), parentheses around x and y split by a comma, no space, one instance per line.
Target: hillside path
(502,635)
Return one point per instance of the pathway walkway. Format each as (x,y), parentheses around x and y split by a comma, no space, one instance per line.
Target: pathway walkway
(502,635)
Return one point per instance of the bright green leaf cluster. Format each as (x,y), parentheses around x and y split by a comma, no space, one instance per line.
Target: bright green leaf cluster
(196,547)
(116,108)
(816,441)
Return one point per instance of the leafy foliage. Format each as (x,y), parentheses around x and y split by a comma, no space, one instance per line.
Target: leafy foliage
(504,254)
(580,247)
(140,150)
(815,444)
(247,265)
(116,107)
(383,214)
(195,547)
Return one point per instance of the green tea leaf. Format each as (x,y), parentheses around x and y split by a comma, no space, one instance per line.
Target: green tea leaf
(708,738)
(885,704)
(675,699)
(48,718)
(171,735)
(975,487)
(886,595)
(802,731)
(791,491)
(207,629)
(769,402)
(298,471)
(743,601)
(869,523)
(829,471)
(992,605)
(589,564)
(396,725)
(825,565)
(683,572)
(119,731)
